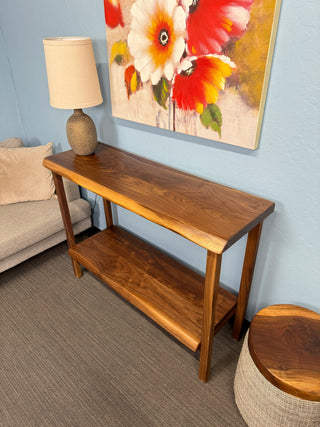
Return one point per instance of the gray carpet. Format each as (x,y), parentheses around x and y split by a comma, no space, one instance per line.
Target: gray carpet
(73,353)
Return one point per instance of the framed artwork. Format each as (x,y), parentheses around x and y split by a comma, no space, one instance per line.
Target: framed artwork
(198,67)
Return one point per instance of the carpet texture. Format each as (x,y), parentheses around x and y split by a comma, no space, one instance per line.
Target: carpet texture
(73,353)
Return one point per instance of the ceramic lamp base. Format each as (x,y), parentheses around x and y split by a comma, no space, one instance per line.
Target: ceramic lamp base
(81,133)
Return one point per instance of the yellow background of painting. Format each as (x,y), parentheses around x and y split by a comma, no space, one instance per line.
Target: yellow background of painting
(251,51)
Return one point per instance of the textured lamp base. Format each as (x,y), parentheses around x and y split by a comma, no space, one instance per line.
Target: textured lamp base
(81,133)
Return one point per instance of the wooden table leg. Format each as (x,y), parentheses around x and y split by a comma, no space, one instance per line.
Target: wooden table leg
(210,299)
(108,212)
(246,278)
(66,219)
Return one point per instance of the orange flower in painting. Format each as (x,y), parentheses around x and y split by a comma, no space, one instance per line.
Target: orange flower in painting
(156,40)
(113,14)
(199,81)
(212,23)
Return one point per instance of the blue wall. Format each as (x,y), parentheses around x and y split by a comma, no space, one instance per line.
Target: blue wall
(10,116)
(284,169)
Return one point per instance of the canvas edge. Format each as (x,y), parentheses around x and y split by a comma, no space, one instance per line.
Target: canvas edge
(267,71)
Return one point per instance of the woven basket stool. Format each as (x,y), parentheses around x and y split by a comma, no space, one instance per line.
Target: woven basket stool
(277,381)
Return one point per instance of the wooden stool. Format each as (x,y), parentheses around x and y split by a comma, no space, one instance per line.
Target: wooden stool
(277,382)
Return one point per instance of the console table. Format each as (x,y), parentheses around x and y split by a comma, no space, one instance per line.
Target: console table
(190,307)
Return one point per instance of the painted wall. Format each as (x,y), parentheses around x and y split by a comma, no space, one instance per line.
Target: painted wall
(11,124)
(284,169)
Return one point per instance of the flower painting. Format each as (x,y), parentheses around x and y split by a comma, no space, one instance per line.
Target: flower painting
(198,67)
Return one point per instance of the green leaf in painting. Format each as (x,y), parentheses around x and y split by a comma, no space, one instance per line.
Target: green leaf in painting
(161,92)
(206,118)
(120,52)
(214,126)
(212,117)
(118,59)
(215,113)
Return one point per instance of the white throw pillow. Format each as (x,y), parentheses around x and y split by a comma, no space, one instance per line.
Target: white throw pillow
(22,176)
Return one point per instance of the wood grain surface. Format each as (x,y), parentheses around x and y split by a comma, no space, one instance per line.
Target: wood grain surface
(209,214)
(65,214)
(246,278)
(162,288)
(108,212)
(284,342)
(210,303)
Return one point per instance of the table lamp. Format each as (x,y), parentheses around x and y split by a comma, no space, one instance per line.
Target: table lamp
(73,84)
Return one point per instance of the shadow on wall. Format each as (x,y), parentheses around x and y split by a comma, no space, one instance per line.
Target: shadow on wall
(107,132)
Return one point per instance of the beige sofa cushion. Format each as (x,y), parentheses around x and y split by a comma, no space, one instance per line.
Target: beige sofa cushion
(22,176)
(24,224)
(24,254)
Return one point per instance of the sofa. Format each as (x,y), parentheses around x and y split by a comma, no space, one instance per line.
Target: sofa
(30,218)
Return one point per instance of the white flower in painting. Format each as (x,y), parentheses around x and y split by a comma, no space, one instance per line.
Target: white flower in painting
(156,40)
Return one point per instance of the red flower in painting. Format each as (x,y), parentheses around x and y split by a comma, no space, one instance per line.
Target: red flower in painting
(211,23)
(113,14)
(199,80)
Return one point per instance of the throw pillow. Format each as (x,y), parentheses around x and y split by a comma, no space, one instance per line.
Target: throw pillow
(11,143)
(22,176)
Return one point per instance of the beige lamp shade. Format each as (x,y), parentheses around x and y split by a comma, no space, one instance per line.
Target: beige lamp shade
(72,74)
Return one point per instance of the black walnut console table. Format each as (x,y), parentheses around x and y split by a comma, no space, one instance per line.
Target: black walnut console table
(190,307)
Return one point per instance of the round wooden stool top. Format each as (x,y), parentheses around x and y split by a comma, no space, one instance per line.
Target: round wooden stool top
(284,343)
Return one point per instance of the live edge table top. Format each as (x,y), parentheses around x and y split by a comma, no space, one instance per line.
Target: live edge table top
(209,214)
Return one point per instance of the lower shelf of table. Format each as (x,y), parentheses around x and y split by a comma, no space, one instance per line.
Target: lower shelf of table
(162,288)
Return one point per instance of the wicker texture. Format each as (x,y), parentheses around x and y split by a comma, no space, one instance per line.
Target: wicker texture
(262,404)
